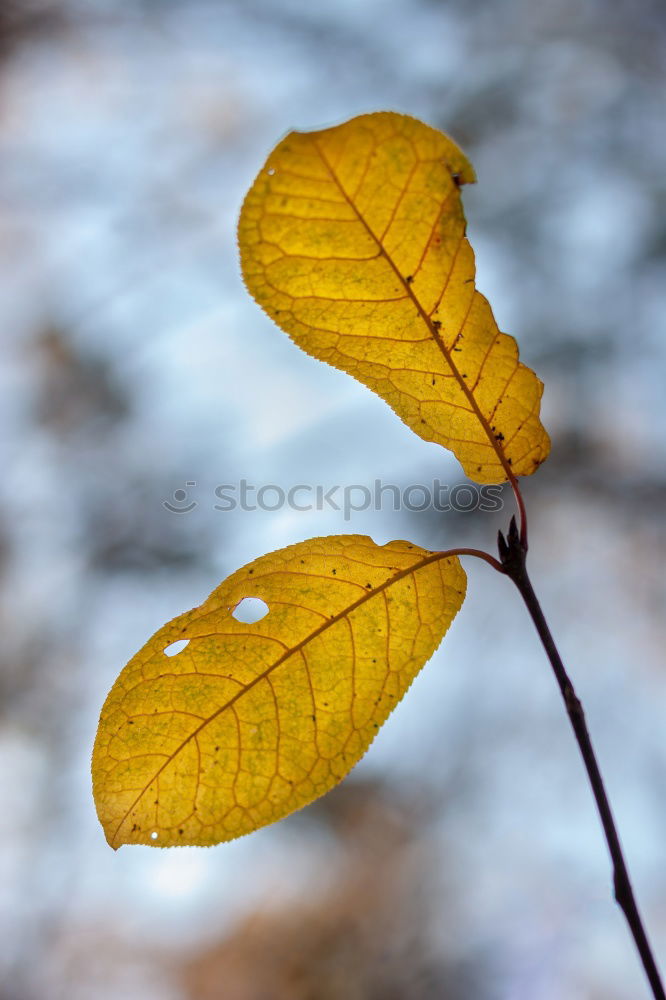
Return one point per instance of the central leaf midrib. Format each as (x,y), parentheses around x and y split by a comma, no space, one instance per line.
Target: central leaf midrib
(426,319)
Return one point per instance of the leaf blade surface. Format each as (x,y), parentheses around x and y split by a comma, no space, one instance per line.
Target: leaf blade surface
(353,240)
(250,722)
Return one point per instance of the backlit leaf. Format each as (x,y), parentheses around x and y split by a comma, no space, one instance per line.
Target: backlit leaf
(249,722)
(353,240)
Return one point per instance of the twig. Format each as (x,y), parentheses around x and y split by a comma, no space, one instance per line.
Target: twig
(512,555)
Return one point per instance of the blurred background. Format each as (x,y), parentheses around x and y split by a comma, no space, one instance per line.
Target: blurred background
(463,858)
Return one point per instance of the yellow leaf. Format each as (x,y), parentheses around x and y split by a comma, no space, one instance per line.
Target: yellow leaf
(250,722)
(353,240)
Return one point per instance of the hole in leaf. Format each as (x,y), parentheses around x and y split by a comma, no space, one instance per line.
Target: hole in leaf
(250,610)
(153,835)
(174,648)
(270,171)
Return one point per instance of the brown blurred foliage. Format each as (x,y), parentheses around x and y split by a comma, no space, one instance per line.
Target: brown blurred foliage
(366,934)
(26,20)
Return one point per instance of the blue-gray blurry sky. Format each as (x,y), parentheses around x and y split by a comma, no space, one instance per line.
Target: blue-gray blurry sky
(135,363)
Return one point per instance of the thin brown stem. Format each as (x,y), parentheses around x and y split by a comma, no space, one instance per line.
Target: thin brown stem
(477,553)
(522,513)
(513,554)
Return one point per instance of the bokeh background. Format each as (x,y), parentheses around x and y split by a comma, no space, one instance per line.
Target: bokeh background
(463,858)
